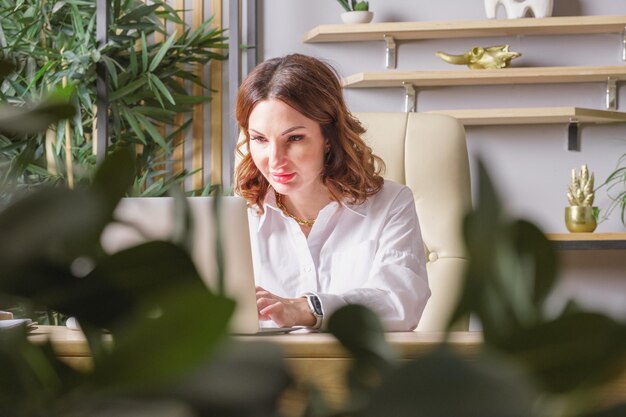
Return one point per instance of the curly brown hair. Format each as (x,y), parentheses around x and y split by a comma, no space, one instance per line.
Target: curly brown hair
(311,87)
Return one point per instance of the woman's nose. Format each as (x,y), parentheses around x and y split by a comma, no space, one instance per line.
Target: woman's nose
(277,156)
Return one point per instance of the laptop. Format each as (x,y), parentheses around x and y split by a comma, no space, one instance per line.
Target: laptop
(149,218)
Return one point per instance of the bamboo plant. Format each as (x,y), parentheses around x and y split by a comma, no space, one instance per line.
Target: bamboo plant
(50,42)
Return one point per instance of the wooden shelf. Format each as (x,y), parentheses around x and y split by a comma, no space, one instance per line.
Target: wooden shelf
(588,241)
(467,28)
(539,115)
(444,78)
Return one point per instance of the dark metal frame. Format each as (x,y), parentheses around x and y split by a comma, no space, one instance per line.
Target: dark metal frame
(103,19)
(235,74)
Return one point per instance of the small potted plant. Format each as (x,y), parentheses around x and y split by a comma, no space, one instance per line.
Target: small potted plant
(356,11)
(581,216)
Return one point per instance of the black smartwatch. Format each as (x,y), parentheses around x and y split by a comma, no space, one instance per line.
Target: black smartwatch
(316,308)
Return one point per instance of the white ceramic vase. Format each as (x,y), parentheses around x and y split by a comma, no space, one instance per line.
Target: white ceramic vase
(357,17)
(517,9)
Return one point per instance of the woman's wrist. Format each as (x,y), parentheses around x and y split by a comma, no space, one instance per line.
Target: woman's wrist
(304,312)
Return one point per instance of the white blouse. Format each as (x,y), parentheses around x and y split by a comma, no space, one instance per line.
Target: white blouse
(370,254)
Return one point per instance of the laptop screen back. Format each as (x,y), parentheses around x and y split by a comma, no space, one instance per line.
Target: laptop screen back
(147,218)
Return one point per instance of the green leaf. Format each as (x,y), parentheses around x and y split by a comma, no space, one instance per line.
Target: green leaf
(126,90)
(442,384)
(162,51)
(134,124)
(32,376)
(162,88)
(576,350)
(361,6)
(137,13)
(359,330)
(41,235)
(22,121)
(112,71)
(115,176)
(182,309)
(615,411)
(344,4)
(134,70)
(58,6)
(153,131)
(144,52)
(537,258)
(251,370)
(155,112)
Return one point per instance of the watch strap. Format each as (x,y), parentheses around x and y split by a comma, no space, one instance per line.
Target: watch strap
(315,305)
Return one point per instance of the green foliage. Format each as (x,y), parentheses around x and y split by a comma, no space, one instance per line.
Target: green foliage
(533,363)
(616,183)
(50,42)
(170,355)
(354,5)
(439,383)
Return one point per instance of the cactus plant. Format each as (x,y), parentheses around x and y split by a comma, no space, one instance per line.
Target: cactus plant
(580,191)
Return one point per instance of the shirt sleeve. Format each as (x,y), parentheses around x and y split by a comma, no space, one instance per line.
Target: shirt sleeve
(397,285)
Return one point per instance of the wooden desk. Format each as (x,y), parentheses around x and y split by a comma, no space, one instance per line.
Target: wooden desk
(314,357)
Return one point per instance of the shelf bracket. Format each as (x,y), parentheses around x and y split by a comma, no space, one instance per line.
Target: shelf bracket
(611,94)
(409,97)
(573,137)
(391,58)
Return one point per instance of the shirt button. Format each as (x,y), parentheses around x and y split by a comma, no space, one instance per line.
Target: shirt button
(307,269)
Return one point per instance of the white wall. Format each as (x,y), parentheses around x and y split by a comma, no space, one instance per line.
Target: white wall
(530,164)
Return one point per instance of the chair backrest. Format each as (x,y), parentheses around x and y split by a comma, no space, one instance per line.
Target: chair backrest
(428,153)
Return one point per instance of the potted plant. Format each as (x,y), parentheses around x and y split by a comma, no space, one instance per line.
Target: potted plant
(356,11)
(581,216)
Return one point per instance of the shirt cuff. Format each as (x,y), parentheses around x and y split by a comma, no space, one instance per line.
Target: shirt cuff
(330,304)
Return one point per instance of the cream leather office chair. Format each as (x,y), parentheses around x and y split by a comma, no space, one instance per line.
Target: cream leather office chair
(428,153)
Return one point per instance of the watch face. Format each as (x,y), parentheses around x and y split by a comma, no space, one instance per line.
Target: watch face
(316,304)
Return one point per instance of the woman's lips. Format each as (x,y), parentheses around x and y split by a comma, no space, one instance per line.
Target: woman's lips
(283,178)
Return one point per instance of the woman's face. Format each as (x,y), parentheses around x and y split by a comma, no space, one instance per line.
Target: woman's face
(287,147)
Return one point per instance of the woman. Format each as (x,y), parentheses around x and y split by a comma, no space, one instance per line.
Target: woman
(327,230)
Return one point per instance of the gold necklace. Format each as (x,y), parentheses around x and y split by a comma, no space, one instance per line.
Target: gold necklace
(301,222)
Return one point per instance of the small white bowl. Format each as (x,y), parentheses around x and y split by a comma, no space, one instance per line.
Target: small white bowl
(357,17)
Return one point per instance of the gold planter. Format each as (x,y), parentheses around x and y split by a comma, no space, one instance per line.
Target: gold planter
(580,219)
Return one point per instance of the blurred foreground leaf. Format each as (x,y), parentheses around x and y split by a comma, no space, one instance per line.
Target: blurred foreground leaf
(34,119)
(360,331)
(32,377)
(441,384)
(577,350)
(512,270)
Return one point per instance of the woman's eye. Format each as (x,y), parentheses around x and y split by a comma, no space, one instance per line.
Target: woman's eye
(296,138)
(257,138)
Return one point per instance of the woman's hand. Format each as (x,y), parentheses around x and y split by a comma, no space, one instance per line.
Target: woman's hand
(285,312)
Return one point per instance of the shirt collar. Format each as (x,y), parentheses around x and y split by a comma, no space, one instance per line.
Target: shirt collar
(358,209)
(270,203)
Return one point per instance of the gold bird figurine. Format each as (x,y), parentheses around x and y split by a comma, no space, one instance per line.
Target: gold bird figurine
(482,58)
